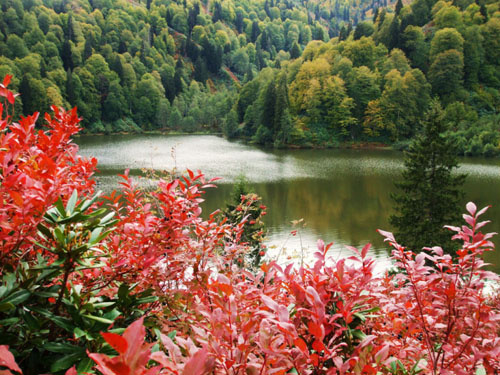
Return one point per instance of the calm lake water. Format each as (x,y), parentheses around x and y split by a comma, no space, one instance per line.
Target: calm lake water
(343,196)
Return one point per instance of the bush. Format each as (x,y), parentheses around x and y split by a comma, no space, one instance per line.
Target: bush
(75,275)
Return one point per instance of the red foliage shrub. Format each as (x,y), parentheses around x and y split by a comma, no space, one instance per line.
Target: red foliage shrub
(333,317)
(37,167)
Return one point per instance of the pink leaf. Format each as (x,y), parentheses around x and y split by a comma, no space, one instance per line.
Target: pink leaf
(7,359)
(365,250)
(471,208)
(388,235)
(199,364)
(134,335)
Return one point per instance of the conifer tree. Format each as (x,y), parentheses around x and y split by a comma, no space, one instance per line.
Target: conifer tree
(430,193)
(399,6)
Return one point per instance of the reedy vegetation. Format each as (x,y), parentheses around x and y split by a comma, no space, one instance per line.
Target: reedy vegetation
(77,271)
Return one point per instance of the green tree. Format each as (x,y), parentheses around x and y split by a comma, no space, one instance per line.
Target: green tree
(430,192)
(446,72)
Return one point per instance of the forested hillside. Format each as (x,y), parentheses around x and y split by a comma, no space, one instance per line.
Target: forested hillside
(275,72)
(376,83)
(161,64)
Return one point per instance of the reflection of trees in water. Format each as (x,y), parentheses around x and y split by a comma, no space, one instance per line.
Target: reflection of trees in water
(353,206)
(348,207)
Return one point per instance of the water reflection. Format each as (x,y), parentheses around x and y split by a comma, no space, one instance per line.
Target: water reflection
(342,195)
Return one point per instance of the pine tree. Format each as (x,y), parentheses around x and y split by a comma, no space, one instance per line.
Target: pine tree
(67,55)
(430,192)
(295,50)
(399,6)
(87,48)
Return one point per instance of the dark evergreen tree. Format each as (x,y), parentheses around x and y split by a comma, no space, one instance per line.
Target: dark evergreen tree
(69,34)
(87,48)
(281,109)
(375,15)
(393,41)
(295,50)
(430,193)
(169,16)
(238,22)
(255,31)
(192,16)
(249,73)
(349,29)
(399,6)
(382,16)
(200,70)
(70,89)
(269,107)
(178,85)
(67,55)
(343,33)
(217,14)
(483,11)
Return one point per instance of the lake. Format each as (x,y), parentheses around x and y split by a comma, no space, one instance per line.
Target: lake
(343,196)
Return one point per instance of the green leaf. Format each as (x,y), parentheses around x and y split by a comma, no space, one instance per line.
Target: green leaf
(70,206)
(17,297)
(107,218)
(45,231)
(94,237)
(150,299)
(85,204)
(59,235)
(31,321)
(103,304)
(79,333)
(5,306)
(62,347)
(112,315)
(98,319)
(9,321)
(85,365)
(60,207)
(66,362)
(59,321)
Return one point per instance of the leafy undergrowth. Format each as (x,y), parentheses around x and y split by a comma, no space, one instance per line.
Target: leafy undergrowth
(138,283)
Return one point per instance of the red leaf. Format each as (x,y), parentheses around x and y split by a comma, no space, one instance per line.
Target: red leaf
(6,80)
(72,371)
(110,366)
(7,359)
(116,341)
(10,97)
(301,344)
(199,364)
(134,335)
(316,330)
(315,359)
(18,199)
(318,346)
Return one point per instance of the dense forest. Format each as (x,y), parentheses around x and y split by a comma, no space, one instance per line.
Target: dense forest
(132,66)
(274,72)
(376,83)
